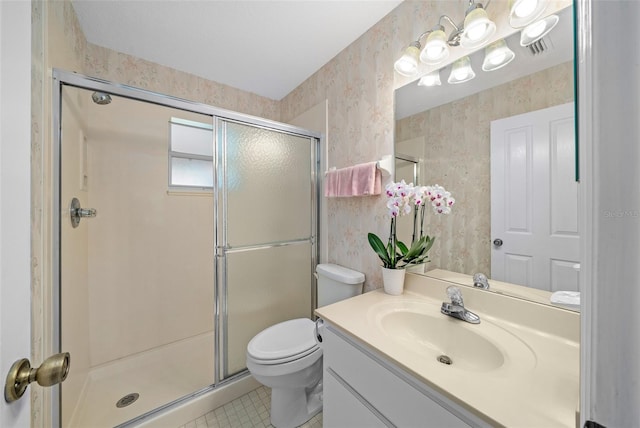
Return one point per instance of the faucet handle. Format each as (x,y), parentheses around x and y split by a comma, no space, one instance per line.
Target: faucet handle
(480,281)
(455,295)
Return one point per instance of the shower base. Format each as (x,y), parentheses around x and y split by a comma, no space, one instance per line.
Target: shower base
(159,376)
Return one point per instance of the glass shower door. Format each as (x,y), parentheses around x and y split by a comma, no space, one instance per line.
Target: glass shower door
(266,242)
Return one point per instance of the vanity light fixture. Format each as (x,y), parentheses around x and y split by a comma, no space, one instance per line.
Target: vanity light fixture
(431,79)
(497,55)
(407,65)
(476,31)
(534,32)
(461,71)
(478,28)
(524,12)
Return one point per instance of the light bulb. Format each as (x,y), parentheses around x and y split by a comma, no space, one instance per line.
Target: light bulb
(534,30)
(434,51)
(524,12)
(525,8)
(498,58)
(436,48)
(478,28)
(497,55)
(461,71)
(431,79)
(407,65)
(477,31)
(461,74)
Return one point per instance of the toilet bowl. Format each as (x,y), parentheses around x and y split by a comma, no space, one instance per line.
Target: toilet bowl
(287,358)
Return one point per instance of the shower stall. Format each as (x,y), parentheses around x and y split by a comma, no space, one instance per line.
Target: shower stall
(183,231)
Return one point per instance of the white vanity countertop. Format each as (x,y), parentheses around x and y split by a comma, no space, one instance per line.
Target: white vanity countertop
(537,384)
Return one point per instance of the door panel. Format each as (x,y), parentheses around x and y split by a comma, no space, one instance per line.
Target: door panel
(268,177)
(15,192)
(266,286)
(534,199)
(267,239)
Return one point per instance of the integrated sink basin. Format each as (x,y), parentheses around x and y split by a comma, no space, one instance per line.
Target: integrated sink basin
(518,367)
(419,327)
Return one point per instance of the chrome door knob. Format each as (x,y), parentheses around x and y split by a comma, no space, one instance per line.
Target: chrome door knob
(76,212)
(498,242)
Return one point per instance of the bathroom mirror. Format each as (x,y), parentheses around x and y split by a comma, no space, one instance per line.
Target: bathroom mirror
(447,128)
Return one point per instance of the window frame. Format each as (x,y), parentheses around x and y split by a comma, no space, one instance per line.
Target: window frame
(175,121)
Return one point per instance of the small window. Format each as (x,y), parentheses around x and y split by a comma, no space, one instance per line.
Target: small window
(190,154)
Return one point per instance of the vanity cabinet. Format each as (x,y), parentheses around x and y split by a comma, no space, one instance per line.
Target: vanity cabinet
(364,389)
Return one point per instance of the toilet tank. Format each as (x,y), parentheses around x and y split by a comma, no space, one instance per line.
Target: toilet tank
(337,283)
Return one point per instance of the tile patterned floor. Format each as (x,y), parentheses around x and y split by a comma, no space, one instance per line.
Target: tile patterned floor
(249,411)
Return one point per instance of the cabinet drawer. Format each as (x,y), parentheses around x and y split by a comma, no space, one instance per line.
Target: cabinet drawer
(388,389)
(341,408)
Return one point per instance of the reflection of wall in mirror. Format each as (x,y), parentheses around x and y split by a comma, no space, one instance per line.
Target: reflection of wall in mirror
(457,156)
(408,152)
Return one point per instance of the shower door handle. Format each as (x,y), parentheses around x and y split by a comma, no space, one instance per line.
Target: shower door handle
(76,212)
(52,371)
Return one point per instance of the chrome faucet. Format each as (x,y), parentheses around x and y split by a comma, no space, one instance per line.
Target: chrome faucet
(480,281)
(456,308)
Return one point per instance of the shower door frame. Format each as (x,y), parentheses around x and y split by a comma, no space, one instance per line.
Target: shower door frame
(222,245)
(63,78)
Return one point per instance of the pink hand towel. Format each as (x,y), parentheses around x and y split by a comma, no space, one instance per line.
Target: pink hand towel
(366,179)
(337,183)
(331,183)
(359,180)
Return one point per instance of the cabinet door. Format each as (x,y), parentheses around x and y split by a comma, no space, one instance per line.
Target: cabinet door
(343,409)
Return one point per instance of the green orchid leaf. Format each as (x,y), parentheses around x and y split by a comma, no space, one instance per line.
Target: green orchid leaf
(403,248)
(380,249)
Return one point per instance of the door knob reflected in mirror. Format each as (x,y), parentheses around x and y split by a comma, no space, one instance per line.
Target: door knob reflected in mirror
(497,242)
(52,371)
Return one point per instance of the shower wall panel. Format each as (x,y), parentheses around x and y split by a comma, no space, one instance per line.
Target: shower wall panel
(151,251)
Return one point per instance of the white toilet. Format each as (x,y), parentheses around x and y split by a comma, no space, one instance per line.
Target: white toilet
(286,357)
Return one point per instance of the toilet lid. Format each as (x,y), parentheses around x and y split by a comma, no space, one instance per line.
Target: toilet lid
(283,340)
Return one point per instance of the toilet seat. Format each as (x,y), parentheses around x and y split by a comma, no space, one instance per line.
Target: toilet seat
(283,342)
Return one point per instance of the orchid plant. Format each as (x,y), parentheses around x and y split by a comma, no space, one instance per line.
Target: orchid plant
(402,199)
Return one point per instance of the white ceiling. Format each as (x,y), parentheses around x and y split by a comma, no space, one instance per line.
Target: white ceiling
(267,47)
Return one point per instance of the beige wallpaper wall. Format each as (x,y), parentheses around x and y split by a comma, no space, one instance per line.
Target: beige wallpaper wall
(358,84)
(55,37)
(457,156)
(118,67)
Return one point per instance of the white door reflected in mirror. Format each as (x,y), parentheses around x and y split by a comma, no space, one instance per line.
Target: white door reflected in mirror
(534,200)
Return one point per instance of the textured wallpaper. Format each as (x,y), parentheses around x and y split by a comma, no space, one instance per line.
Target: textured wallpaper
(126,69)
(457,156)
